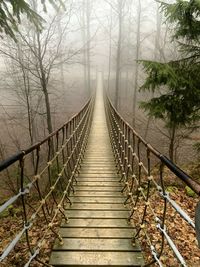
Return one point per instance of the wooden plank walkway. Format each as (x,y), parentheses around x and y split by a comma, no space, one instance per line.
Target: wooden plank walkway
(97,233)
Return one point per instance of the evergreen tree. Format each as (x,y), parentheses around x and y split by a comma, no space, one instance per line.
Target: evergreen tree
(177,83)
(12,10)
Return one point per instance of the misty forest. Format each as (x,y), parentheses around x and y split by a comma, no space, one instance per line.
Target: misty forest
(65,65)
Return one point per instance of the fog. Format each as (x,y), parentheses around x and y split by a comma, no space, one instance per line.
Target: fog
(59,64)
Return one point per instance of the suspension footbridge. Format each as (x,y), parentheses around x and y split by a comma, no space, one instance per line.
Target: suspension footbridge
(91,188)
(97,232)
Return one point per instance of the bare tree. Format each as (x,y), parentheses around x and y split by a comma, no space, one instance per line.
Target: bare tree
(42,54)
(120,14)
(88,19)
(110,48)
(84,20)
(137,54)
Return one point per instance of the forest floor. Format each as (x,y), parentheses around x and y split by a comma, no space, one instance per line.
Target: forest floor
(183,234)
(9,228)
(180,231)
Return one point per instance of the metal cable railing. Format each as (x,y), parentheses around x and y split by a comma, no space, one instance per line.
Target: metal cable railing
(44,189)
(136,161)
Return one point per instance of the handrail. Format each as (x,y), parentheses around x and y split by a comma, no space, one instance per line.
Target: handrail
(12,159)
(188,180)
(45,188)
(144,186)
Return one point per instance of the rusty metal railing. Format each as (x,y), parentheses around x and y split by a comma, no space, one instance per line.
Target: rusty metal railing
(43,190)
(144,172)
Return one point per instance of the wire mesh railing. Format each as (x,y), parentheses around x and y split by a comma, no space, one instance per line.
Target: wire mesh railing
(45,175)
(145,173)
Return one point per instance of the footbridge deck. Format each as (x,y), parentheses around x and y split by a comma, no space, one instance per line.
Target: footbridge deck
(98,233)
(85,186)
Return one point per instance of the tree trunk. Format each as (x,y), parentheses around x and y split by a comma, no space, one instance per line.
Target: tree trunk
(172,142)
(119,45)
(44,83)
(88,12)
(136,66)
(84,41)
(47,105)
(62,76)
(110,51)
(157,56)
(42,75)
(85,55)
(128,56)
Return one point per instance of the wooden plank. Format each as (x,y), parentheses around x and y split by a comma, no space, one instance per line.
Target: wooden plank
(91,193)
(110,165)
(96,206)
(96,152)
(99,175)
(95,168)
(100,159)
(97,179)
(96,232)
(108,155)
(98,189)
(99,183)
(99,163)
(97,172)
(108,200)
(95,222)
(85,244)
(105,183)
(96,214)
(85,258)
(96,165)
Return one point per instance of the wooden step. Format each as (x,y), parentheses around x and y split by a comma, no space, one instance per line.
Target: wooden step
(99,163)
(103,244)
(99,175)
(95,168)
(97,206)
(108,200)
(97,214)
(97,193)
(98,232)
(99,183)
(100,258)
(97,179)
(98,189)
(96,222)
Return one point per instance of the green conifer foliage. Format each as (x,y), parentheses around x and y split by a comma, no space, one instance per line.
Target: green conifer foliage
(177,83)
(11,12)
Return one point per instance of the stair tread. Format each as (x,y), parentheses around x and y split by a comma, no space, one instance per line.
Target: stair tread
(88,244)
(84,258)
(97,214)
(98,232)
(96,222)
(90,199)
(97,206)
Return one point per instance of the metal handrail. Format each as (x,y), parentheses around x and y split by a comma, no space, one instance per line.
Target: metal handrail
(12,159)
(134,158)
(187,179)
(47,192)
